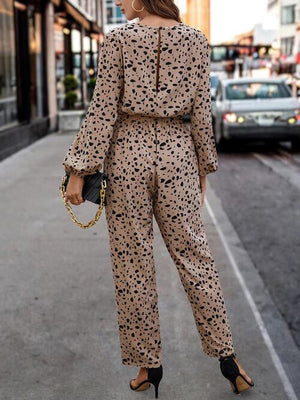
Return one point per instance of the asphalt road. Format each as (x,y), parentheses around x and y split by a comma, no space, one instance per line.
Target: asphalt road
(260,190)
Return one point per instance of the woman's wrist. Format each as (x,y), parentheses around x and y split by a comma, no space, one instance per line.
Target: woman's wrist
(74,176)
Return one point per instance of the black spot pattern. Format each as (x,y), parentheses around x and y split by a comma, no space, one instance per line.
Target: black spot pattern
(126,83)
(153,162)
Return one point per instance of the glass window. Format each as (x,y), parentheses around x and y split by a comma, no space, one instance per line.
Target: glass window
(87,44)
(218,53)
(256,90)
(287,45)
(60,64)
(8,88)
(76,59)
(288,14)
(114,14)
(36,62)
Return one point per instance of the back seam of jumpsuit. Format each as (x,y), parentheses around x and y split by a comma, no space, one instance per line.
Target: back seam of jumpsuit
(156,121)
(158,58)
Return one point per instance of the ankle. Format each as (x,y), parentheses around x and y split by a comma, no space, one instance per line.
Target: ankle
(143,369)
(233,355)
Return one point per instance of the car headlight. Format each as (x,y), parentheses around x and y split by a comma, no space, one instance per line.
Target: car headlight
(230,117)
(233,118)
(297,114)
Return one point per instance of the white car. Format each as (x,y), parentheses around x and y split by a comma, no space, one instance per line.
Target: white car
(255,109)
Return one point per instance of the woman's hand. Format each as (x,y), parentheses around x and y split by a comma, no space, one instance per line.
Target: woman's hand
(203,188)
(74,190)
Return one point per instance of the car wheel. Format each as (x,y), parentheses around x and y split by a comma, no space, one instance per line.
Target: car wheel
(272,143)
(220,141)
(296,144)
(216,133)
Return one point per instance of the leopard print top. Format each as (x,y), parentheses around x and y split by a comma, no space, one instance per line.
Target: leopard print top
(150,71)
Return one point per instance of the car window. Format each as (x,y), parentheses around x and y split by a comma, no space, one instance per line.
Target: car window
(256,90)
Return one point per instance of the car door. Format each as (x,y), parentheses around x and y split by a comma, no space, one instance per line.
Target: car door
(217,109)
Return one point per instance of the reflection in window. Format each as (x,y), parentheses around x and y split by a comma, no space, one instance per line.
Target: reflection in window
(256,90)
(8,89)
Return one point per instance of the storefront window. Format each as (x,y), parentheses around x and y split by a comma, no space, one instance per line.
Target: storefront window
(89,59)
(76,58)
(8,89)
(60,64)
(36,63)
(95,53)
(69,58)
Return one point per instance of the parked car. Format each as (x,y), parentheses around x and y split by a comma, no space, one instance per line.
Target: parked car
(214,81)
(289,78)
(255,109)
(215,77)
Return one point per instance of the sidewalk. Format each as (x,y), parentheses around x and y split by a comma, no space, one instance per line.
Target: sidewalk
(59,334)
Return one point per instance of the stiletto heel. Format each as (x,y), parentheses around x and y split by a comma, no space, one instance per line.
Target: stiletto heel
(230,370)
(154,376)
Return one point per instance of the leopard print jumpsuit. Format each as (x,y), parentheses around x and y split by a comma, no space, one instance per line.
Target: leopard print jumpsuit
(148,78)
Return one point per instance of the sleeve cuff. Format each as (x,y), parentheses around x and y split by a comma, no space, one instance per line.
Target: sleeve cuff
(80,173)
(208,169)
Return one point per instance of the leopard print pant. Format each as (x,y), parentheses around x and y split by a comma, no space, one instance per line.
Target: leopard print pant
(152,170)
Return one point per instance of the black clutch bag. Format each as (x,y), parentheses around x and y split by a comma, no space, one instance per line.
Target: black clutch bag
(94,190)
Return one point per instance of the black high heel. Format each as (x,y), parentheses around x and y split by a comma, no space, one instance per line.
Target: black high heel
(154,376)
(230,370)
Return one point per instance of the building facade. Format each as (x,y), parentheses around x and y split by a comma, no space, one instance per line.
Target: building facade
(286,17)
(42,41)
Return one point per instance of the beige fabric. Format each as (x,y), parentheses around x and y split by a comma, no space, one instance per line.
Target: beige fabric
(127,75)
(153,162)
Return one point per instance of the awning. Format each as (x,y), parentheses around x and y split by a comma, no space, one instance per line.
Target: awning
(78,15)
(95,28)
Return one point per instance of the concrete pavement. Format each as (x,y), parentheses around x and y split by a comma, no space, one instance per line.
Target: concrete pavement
(59,335)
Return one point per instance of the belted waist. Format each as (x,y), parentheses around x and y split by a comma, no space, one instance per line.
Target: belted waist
(150,117)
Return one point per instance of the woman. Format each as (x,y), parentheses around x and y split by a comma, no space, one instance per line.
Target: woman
(150,74)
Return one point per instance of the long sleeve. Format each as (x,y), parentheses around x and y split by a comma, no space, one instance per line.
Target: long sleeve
(201,119)
(87,152)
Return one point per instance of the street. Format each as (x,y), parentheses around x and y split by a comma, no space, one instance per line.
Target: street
(59,334)
(259,189)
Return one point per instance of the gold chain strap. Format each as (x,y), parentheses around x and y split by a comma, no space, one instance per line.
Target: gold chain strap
(69,208)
